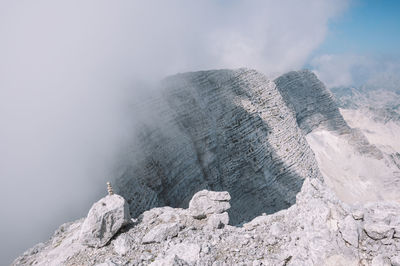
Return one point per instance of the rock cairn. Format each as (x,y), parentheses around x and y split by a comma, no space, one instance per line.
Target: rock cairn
(109,189)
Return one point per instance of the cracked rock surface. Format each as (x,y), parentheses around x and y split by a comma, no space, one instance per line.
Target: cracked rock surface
(318,230)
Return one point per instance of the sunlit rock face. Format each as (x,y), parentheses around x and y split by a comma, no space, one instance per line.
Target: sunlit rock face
(219,130)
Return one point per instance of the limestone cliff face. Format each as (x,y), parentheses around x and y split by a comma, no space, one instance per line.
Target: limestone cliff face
(219,130)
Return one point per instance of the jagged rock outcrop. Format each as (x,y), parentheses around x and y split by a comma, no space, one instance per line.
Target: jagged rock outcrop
(317,230)
(103,221)
(218,130)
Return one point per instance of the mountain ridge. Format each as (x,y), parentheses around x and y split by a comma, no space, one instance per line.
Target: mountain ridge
(234,131)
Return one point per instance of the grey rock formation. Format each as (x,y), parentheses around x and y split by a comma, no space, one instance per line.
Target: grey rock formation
(218,130)
(183,253)
(395,260)
(161,233)
(313,104)
(218,220)
(315,107)
(317,230)
(204,203)
(169,260)
(103,221)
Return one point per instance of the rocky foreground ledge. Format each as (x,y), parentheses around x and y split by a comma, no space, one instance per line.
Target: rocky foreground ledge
(317,230)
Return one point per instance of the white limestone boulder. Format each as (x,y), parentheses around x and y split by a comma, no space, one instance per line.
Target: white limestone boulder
(204,203)
(104,220)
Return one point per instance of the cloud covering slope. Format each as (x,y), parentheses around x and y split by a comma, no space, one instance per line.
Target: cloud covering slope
(67,68)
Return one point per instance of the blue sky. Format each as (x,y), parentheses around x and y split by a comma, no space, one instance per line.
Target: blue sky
(367,27)
(361,47)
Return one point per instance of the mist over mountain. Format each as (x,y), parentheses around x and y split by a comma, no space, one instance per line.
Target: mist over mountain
(96,91)
(70,70)
(288,167)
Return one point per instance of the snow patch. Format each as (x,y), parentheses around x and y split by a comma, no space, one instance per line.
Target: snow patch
(354,177)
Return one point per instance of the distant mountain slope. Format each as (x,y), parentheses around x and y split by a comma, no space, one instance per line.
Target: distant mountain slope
(313,104)
(380,105)
(356,168)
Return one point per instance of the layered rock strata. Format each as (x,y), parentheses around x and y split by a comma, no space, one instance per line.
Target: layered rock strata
(220,130)
(313,104)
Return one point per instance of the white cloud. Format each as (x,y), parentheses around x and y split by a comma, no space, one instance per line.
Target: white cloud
(65,67)
(346,70)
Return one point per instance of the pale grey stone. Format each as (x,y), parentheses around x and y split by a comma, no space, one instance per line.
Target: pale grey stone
(160,233)
(340,260)
(188,252)
(349,230)
(395,260)
(205,203)
(121,245)
(358,214)
(108,263)
(396,232)
(380,260)
(276,230)
(104,220)
(218,220)
(378,230)
(172,260)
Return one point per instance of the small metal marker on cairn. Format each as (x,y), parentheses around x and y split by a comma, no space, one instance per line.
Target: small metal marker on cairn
(110,189)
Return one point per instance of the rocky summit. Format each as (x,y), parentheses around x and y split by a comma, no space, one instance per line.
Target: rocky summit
(222,130)
(228,151)
(318,230)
